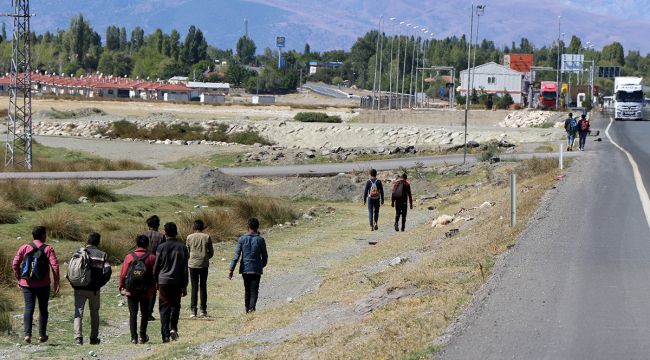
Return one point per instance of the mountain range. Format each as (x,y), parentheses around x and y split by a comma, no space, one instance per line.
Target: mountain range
(337,24)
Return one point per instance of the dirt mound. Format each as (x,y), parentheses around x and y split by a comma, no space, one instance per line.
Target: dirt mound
(201,180)
(337,188)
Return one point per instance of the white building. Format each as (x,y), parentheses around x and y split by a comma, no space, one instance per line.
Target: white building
(212,98)
(494,79)
(263,99)
(200,87)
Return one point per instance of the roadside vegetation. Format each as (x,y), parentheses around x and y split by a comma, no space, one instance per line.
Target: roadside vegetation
(73,114)
(317,117)
(124,129)
(48,159)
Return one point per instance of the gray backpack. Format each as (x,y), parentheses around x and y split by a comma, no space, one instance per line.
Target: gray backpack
(79,269)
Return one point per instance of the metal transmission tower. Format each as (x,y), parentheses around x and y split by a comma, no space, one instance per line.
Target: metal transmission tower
(18,151)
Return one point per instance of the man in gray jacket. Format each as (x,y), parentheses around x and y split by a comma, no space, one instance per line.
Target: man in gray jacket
(251,249)
(201,251)
(170,273)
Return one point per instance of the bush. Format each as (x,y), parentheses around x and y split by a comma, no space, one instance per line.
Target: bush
(270,211)
(5,318)
(22,195)
(64,225)
(248,138)
(536,166)
(98,193)
(8,212)
(489,152)
(219,223)
(6,271)
(59,193)
(119,244)
(317,117)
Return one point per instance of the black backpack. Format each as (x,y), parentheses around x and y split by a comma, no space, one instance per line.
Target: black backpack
(35,265)
(137,276)
(398,191)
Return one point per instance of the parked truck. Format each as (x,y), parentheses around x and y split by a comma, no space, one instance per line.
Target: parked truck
(547,95)
(629,101)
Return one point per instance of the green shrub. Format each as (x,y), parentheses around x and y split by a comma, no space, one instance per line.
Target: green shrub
(59,193)
(5,318)
(248,138)
(98,193)
(6,271)
(489,152)
(317,117)
(125,129)
(22,195)
(8,212)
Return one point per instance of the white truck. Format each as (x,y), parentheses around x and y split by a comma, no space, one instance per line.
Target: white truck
(629,101)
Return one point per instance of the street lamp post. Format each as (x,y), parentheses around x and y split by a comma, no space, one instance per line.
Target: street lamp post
(374,82)
(469,70)
(399,42)
(381,58)
(401,102)
(412,65)
(557,73)
(480,10)
(390,72)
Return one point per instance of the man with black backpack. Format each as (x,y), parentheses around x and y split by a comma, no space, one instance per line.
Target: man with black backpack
(31,267)
(137,284)
(571,128)
(400,199)
(88,271)
(373,195)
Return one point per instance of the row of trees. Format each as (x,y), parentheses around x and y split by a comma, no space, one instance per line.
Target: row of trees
(79,50)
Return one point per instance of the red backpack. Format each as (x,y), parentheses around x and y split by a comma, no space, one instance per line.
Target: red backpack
(584,125)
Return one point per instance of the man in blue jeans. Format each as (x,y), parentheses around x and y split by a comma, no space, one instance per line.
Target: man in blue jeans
(373,195)
(252,257)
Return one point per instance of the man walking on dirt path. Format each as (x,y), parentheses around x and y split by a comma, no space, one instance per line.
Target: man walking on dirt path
(201,251)
(137,284)
(100,273)
(171,275)
(251,252)
(31,267)
(373,195)
(400,200)
(583,131)
(155,239)
(571,127)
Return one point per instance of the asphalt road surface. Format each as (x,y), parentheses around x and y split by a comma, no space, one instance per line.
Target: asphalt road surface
(577,284)
(280,170)
(326,90)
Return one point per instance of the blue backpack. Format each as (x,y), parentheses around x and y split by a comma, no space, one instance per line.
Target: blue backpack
(573,125)
(35,265)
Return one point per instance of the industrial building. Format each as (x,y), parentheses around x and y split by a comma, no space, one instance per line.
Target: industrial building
(494,78)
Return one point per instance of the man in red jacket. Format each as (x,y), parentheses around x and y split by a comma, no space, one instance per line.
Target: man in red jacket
(31,267)
(138,295)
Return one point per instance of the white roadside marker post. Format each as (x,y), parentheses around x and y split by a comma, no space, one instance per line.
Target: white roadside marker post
(561,156)
(513,200)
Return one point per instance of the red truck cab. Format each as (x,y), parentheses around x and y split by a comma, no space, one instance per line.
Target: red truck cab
(547,95)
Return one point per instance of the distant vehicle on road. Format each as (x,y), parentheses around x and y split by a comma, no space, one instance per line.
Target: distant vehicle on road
(629,101)
(547,95)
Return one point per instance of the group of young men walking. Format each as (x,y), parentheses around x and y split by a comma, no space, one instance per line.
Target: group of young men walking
(160,264)
(401,200)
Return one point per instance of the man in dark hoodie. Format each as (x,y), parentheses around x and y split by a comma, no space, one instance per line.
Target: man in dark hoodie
(171,275)
(251,248)
(155,239)
(100,273)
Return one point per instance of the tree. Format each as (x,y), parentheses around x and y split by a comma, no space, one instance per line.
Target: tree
(613,54)
(122,39)
(137,38)
(195,48)
(307,50)
(112,38)
(246,50)
(236,74)
(82,41)
(4,32)
(174,42)
(574,45)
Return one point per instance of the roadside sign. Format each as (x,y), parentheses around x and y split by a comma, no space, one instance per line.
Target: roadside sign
(280,41)
(572,63)
(609,71)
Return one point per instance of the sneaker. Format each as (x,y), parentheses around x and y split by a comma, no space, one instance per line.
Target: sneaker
(372,228)
(28,339)
(42,339)
(79,341)
(203,314)
(95,341)
(396,227)
(173,335)
(165,340)
(376,227)
(144,339)
(192,315)
(134,341)
(402,229)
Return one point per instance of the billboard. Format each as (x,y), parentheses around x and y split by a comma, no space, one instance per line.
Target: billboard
(519,62)
(280,41)
(572,63)
(609,71)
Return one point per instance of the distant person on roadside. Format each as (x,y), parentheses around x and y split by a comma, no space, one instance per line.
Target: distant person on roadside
(199,245)
(252,256)
(373,195)
(571,127)
(400,200)
(137,284)
(171,276)
(583,131)
(100,274)
(155,239)
(31,267)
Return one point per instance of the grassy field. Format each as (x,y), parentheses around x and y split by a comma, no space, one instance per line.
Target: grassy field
(60,159)
(437,279)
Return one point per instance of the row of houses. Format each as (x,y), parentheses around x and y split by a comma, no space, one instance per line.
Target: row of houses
(113,87)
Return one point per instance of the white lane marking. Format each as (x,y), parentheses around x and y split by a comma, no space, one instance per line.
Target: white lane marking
(640,187)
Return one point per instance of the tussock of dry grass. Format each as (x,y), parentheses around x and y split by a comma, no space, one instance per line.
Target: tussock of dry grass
(220,224)
(34,195)
(270,211)
(64,225)
(8,212)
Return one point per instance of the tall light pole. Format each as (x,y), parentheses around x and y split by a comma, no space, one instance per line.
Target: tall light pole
(469,70)
(399,41)
(374,82)
(401,102)
(480,10)
(557,73)
(390,72)
(381,58)
(412,65)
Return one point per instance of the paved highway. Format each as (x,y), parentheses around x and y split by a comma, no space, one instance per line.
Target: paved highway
(577,284)
(326,90)
(279,170)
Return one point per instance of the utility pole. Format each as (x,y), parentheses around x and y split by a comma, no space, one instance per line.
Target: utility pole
(374,82)
(381,58)
(18,148)
(401,101)
(390,72)
(469,70)
(557,73)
